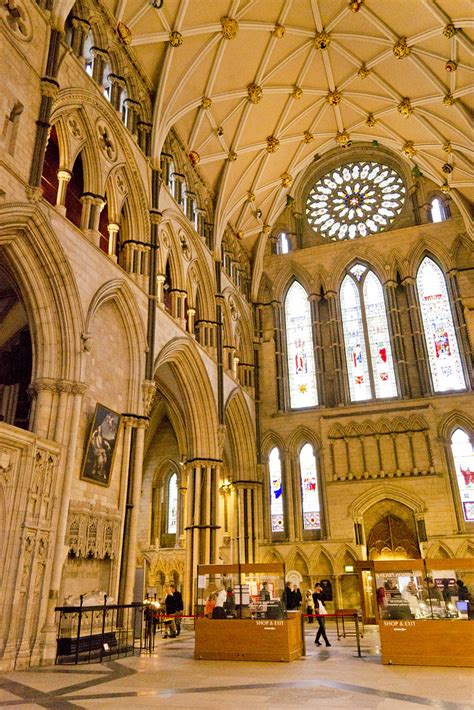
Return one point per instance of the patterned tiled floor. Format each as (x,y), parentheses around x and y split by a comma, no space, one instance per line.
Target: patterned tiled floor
(334,678)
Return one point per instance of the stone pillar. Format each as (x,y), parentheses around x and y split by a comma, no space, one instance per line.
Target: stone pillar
(201,520)
(92,206)
(279,355)
(289,492)
(336,349)
(160,295)
(133,111)
(144,136)
(460,325)
(399,355)
(137,470)
(117,85)
(75,392)
(200,221)
(178,300)
(318,347)
(191,315)
(80,30)
(219,342)
(113,230)
(178,191)
(418,336)
(64,177)
(101,58)
(166,161)
(49,91)
(190,203)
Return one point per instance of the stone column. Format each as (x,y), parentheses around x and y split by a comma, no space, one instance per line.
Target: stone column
(418,336)
(201,520)
(279,355)
(178,300)
(100,60)
(191,315)
(64,177)
(137,470)
(460,325)
(113,230)
(289,493)
(133,111)
(49,91)
(178,192)
(336,349)
(318,347)
(70,438)
(144,136)
(166,161)
(190,203)
(117,85)
(399,355)
(80,29)
(200,214)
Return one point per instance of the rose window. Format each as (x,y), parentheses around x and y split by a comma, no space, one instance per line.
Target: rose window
(355,200)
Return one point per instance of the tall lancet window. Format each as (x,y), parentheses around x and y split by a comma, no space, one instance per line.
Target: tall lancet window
(366,336)
(309,489)
(463,455)
(299,346)
(276,491)
(440,336)
(172,504)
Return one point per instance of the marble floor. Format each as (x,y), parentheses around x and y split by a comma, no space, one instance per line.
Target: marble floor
(331,677)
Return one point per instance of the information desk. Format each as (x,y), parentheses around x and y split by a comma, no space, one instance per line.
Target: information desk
(249,639)
(424,642)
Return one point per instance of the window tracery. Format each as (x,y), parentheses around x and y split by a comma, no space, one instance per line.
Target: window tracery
(355,200)
(440,337)
(463,456)
(366,336)
(300,352)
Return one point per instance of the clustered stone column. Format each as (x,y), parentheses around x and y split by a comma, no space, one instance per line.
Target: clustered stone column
(460,323)
(318,347)
(245,531)
(336,349)
(201,519)
(279,355)
(421,357)
(399,354)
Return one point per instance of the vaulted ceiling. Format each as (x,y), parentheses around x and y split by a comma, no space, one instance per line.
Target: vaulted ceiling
(255,88)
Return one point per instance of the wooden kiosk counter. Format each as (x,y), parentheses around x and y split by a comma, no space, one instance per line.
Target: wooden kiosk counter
(248,634)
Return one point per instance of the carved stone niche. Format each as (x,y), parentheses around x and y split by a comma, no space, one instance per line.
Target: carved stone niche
(93,531)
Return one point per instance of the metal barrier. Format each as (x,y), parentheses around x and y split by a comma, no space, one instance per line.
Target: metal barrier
(90,634)
(345,617)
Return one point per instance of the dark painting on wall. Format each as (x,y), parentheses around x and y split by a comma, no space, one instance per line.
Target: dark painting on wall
(101,445)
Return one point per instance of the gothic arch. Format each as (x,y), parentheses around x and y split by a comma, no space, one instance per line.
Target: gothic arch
(287,276)
(454,420)
(35,260)
(364,255)
(433,249)
(437,550)
(271,439)
(193,387)
(383,492)
(241,434)
(119,292)
(301,436)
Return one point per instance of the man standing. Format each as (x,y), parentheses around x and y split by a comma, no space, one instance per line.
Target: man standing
(170,608)
(179,607)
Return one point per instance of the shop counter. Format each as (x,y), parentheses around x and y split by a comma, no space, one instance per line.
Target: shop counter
(250,639)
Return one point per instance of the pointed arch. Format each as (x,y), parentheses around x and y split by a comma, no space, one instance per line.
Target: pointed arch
(383,492)
(241,432)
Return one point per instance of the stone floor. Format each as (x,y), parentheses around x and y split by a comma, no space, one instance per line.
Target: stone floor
(331,677)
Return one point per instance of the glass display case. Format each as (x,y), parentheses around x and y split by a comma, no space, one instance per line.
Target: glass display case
(248,601)
(241,592)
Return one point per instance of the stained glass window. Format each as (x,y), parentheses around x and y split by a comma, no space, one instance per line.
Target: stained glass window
(440,337)
(355,200)
(463,455)
(276,491)
(299,346)
(366,336)
(309,489)
(172,504)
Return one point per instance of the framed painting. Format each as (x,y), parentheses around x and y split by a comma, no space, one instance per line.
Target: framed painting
(101,444)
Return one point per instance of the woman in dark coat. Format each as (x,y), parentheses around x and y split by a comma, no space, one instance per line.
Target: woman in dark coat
(319,598)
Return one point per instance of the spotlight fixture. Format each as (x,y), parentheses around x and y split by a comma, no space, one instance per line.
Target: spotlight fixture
(157,4)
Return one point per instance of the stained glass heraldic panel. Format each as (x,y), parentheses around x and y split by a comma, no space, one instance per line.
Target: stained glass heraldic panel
(309,489)
(440,337)
(172,504)
(463,456)
(276,491)
(299,347)
(355,200)
(366,336)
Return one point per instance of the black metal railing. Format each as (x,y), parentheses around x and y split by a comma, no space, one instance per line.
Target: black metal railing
(90,634)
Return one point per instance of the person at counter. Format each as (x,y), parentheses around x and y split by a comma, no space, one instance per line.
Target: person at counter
(219,612)
(430,592)
(289,597)
(210,604)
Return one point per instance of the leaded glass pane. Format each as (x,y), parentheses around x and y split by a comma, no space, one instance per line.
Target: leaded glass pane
(463,456)
(440,337)
(379,338)
(309,489)
(299,346)
(355,200)
(276,491)
(356,356)
(172,504)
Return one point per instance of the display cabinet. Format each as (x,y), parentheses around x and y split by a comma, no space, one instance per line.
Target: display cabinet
(248,601)
(426,611)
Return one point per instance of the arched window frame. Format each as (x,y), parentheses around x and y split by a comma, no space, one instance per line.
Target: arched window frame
(463,523)
(454,324)
(280,534)
(367,343)
(309,533)
(310,353)
(283,243)
(443,207)
(169,539)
